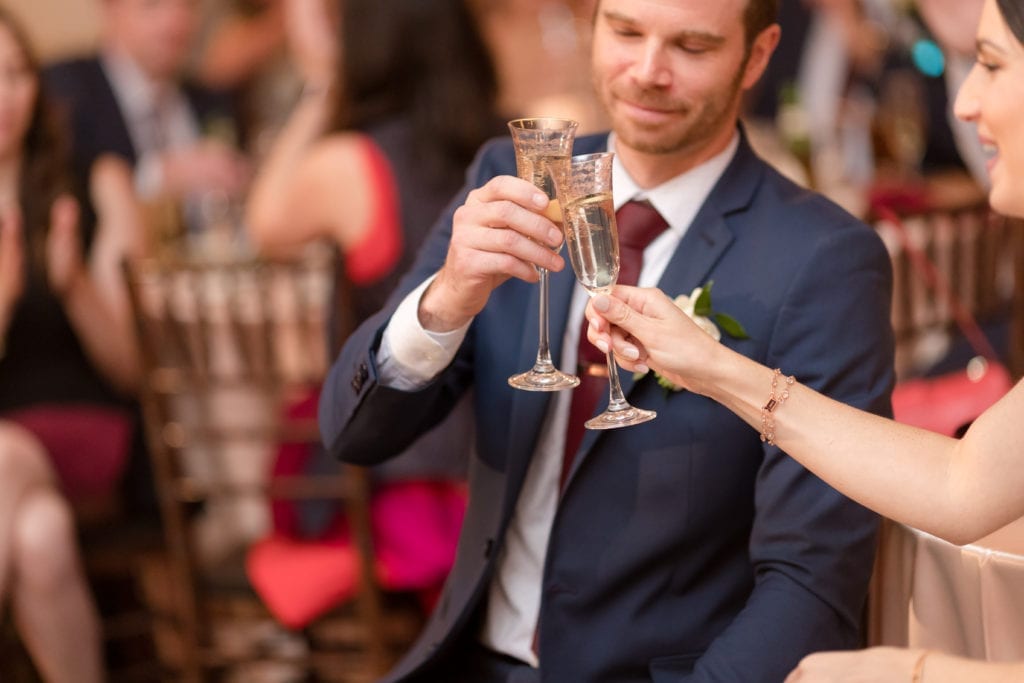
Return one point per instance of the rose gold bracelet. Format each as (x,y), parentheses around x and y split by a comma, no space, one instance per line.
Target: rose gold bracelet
(917,675)
(775,399)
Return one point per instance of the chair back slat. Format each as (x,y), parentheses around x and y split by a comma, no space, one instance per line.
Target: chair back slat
(227,349)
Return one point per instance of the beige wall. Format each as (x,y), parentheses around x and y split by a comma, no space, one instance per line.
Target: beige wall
(58,28)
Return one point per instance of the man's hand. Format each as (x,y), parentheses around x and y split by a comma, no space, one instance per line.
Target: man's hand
(204,167)
(497,234)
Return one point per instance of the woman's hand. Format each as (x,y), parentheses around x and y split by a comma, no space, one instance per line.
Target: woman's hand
(645,329)
(875,665)
(64,263)
(12,265)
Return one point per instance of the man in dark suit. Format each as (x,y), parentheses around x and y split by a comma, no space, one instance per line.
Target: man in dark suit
(131,100)
(685,548)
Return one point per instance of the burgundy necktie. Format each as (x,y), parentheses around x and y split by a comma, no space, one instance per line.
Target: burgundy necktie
(638,224)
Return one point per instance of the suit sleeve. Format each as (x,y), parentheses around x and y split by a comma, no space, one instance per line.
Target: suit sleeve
(811,548)
(361,420)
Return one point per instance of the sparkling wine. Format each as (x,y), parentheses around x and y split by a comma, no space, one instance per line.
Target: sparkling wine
(592,241)
(534,168)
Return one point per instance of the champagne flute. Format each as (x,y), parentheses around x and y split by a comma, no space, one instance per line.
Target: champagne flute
(538,143)
(592,240)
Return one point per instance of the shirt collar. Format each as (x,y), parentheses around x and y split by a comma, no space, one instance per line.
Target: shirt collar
(135,91)
(677,199)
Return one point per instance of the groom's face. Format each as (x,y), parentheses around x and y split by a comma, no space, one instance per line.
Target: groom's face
(671,72)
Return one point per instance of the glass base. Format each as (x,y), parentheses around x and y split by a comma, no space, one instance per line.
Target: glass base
(548,380)
(612,419)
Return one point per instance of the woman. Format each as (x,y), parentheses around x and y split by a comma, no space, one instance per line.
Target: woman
(959,490)
(66,358)
(379,140)
(392,112)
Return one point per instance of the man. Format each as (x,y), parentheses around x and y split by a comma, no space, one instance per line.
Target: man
(131,100)
(683,549)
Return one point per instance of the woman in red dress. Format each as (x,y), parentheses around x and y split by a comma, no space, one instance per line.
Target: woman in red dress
(66,366)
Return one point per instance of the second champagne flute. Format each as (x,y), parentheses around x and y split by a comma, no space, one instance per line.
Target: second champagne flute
(540,142)
(592,240)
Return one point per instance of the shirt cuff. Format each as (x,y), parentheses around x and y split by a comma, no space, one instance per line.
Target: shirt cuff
(409,356)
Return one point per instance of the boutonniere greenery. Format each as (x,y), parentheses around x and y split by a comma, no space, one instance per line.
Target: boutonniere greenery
(698,307)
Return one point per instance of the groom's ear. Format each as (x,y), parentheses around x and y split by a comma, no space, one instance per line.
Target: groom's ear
(761,51)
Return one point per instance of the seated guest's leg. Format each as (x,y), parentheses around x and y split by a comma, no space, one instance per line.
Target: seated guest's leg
(39,563)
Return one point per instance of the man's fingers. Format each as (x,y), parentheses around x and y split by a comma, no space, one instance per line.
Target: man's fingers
(511,188)
(503,227)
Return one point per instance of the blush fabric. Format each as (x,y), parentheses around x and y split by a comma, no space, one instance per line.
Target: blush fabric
(415,525)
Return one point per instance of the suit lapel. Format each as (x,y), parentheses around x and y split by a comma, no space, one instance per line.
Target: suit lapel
(118,138)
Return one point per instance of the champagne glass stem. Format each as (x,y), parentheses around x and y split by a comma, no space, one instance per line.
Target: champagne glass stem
(616,400)
(544,363)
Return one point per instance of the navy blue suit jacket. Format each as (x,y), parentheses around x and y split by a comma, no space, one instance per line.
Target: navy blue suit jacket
(683,549)
(86,100)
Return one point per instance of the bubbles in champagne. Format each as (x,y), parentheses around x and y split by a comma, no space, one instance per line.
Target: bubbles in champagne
(592,241)
(534,168)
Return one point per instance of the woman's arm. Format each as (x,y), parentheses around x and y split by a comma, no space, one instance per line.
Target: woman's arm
(895,665)
(93,293)
(310,186)
(959,490)
(288,202)
(282,211)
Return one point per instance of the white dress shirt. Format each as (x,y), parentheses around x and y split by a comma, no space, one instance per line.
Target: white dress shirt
(158,117)
(409,357)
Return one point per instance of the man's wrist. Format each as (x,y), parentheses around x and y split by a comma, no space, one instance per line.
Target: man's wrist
(435,312)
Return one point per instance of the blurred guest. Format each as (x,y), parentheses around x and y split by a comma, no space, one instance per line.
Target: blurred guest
(812,97)
(66,362)
(243,49)
(396,103)
(381,137)
(132,99)
(540,49)
(952,24)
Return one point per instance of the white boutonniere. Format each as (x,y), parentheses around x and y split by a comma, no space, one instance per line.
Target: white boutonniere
(698,307)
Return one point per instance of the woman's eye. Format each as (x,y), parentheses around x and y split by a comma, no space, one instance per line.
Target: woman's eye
(986,64)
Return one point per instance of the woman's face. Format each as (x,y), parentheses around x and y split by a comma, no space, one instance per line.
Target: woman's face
(993,97)
(18,89)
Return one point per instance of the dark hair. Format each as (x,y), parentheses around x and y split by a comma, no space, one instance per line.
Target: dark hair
(44,170)
(423,59)
(757,16)
(1013,15)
